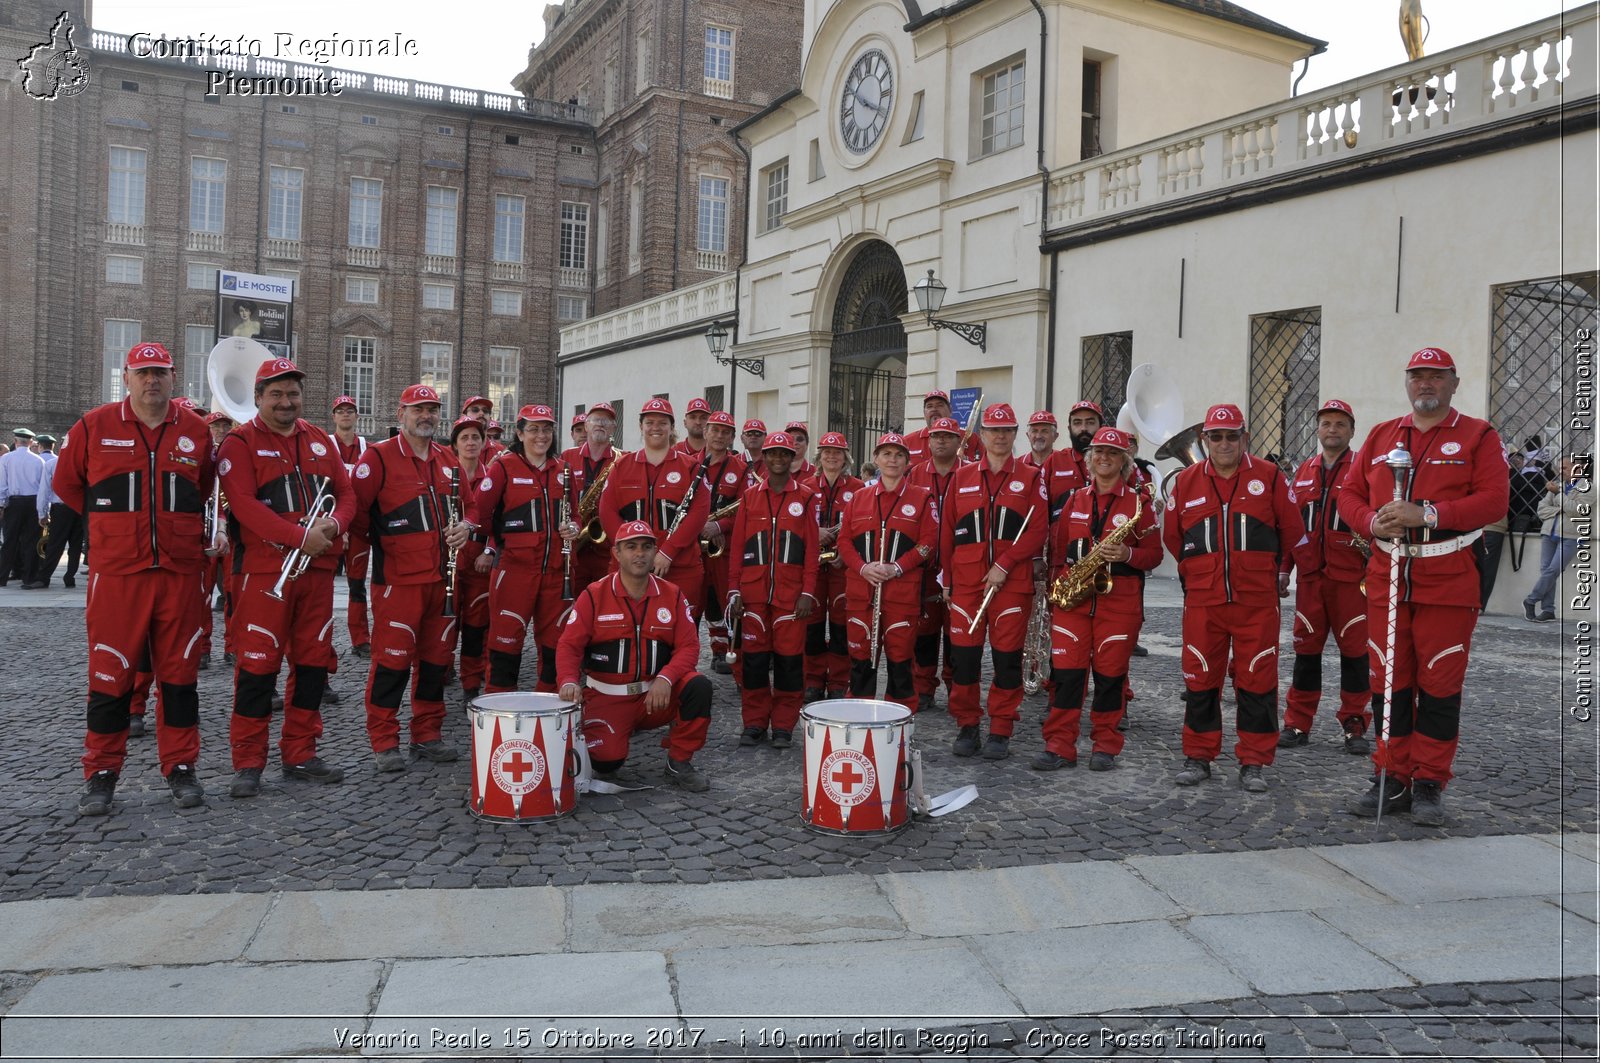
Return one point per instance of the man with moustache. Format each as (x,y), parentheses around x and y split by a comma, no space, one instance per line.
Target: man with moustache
(587,462)
(936,407)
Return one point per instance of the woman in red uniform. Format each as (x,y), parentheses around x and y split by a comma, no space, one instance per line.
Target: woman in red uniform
(519,504)
(827,653)
(1098,635)
(472,581)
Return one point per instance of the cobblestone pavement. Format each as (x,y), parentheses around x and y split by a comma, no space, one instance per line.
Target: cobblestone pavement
(1524,767)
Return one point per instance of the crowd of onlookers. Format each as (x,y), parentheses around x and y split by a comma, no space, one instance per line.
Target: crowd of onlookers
(1552,499)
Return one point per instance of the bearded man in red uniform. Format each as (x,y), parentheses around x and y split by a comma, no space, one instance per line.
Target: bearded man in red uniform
(933,626)
(142,467)
(272,470)
(827,640)
(628,656)
(1456,484)
(725,479)
(695,418)
(1231,520)
(587,463)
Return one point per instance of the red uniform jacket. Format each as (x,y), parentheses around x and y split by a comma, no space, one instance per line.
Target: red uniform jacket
(468,488)
(917,444)
(834,498)
(682,447)
(270,481)
(617,639)
(1064,472)
(980,525)
(1459,467)
(141,490)
(1090,516)
(1229,535)
(1327,550)
(773,552)
(584,469)
(637,490)
(519,506)
(727,481)
(400,507)
(907,520)
(350,454)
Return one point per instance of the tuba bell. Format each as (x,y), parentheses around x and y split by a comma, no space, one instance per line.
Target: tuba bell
(231,372)
(1155,411)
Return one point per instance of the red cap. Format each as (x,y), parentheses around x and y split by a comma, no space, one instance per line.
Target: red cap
(722,417)
(535,412)
(1222,416)
(891,439)
(1086,404)
(218,415)
(277,368)
(464,422)
(1112,437)
(476,400)
(942,396)
(149,356)
(1432,358)
(781,441)
(999,415)
(697,406)
(836,440)
(798,426)
(1042,417)
(495,427)
(345,400)
(633,529)
(659,406)
(605,408)
(418,395)
(578,418)
(946,425)
(754,425)
(186,402)
(1337,406)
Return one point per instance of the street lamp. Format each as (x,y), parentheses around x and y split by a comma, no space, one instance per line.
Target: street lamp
(930,297)
(717,341)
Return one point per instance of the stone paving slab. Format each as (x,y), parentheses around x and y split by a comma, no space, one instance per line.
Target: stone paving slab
(1577,843)
(1292,952)
(221,1010)
(1586,905)
(1282,880)
(620,993)
(406,923)
(58,934)
(960,903)
(673,917)
(1418,872)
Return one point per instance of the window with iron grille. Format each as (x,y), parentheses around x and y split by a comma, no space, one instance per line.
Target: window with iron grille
(1285,385)
(1107,361)
(714,397)
(1531,371)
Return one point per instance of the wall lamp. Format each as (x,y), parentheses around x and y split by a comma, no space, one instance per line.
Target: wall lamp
(930,297)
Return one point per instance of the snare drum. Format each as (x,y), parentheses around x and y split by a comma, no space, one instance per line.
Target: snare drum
(524,756)
(858,766)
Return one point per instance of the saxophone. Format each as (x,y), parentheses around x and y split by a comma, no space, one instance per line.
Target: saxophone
(589,509)
(1090,576)
(717,514)
(1036,647)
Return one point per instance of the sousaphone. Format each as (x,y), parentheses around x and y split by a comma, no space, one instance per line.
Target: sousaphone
(1155,410)
(231,371)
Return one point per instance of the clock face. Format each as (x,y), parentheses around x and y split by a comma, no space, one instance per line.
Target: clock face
(867,99)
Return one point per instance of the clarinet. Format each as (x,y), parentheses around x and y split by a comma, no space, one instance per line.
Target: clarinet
(566,544)
(453,511)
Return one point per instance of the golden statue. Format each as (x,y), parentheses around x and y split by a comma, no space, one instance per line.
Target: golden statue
(1412,29)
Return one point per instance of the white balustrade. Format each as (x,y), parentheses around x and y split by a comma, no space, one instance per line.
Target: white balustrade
(702,302)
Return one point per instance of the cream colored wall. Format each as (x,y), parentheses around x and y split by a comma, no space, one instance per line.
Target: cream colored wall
(682,367)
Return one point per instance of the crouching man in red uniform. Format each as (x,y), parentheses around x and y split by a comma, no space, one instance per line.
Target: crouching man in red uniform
(140,471)
(1231,520)
(1456,484)
(272,470)
(774,575)
(628,656)
(401,485)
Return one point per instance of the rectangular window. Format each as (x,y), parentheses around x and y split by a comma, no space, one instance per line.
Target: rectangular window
(283,203)
(369,119)
(571,308)
(1285,382)
(197,343)
(714,396)
(438,297)
(208,183)
(719,53)
(120,336)
(440,237)
(635,224)
(436,370)
(609,87)
(366,211)
(776,180)
(641,61)
(125,190)
(574,236)
(508,211)
(361,289)
(1001,109)
(602,232)
(1107,360)
(504,302)
(203,276)
(1090,132)
(503,371)
(713,229)
(124,269)
(360,371)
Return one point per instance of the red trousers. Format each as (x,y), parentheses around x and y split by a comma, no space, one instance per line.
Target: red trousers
(472,614)
(715,602)
(897,625)
(409,628)
(522,591)
(125,615)
(300,628)
(1095,638)
(214,572)
(933,636)
(1250,630)
(1004,625)
(1324,606)
(1432,643)
(772,647)
(609,720)
(827,641)
(357,553)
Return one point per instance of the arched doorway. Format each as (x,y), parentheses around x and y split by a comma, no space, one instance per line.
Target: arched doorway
(867,359)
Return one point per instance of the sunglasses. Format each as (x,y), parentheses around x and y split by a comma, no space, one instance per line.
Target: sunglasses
(1223,437)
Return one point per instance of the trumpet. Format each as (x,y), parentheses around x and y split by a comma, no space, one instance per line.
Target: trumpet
(297,560)
(216,533)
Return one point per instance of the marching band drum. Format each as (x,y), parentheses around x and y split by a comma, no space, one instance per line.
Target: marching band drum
(525,759)
(858,767)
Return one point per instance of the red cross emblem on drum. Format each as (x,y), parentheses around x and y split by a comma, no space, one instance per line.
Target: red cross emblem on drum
(848,777)
(517,766)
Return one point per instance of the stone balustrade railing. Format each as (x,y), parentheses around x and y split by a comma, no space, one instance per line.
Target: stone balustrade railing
(701,302)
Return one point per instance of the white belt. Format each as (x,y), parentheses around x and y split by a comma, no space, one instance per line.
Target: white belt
(1448,546)
(620,690)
